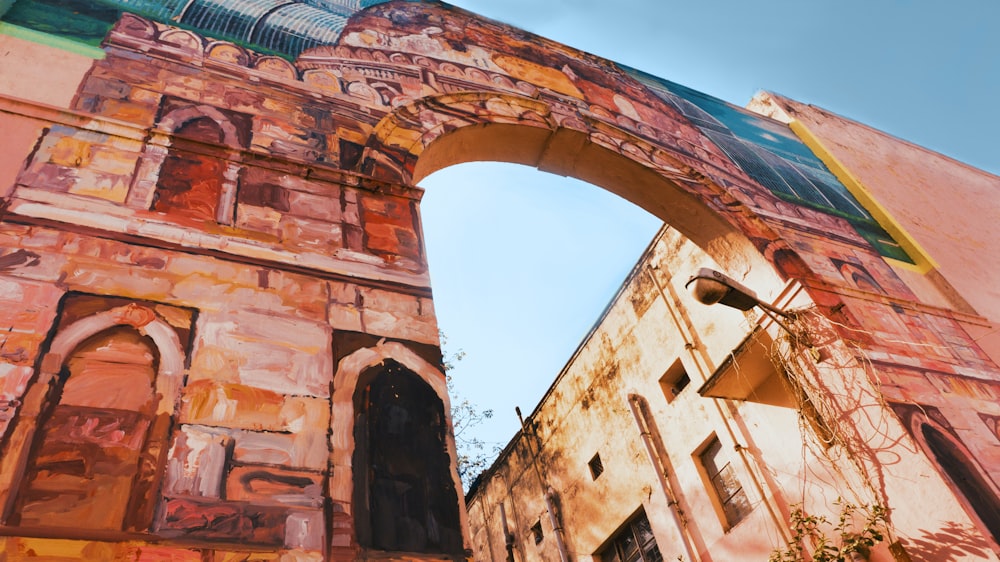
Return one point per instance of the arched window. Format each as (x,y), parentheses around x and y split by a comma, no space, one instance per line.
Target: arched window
(86,449)
(191,163)
(405,498)
(966,477)
(190,184)
(85,458)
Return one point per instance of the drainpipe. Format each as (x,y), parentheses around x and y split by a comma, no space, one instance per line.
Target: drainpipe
(484,501)
(549,492)
(513,508)
(508,537)
(555,521)
(661,463)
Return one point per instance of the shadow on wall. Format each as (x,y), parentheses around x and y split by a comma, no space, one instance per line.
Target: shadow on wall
(951,542)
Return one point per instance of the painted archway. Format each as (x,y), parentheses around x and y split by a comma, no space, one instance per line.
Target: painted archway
(348,382)
(214,198)
(163,397)
(510,96)
(974,489)
(454,128)
(407,88)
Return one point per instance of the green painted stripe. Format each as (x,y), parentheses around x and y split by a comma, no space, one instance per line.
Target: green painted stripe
(51,40)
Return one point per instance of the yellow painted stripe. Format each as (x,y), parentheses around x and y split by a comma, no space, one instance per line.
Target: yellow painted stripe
(922,260)
(51,40)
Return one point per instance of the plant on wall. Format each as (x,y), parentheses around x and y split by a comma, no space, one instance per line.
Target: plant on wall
(850,539)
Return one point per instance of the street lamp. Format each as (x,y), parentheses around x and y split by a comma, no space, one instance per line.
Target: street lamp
(709,287)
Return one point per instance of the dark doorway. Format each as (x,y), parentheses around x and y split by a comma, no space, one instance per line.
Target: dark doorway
(405,498)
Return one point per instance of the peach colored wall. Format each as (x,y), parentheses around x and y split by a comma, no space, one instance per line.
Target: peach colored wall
(780,461)
(53,83)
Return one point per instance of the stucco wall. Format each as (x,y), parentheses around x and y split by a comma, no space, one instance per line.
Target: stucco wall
(587,412)
(782,458)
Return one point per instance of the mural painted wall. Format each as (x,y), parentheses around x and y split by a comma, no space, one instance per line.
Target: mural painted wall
(764,149)
(276,27)
(214,209)
(775,157)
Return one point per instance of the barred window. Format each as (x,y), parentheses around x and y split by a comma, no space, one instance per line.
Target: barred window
(633,543)
(727,487)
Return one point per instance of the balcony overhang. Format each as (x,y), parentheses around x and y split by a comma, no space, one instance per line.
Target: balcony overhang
(749,374)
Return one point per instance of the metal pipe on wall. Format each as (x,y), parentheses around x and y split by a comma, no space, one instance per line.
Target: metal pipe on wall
(661,463)
(549,494)
(508,537)
(556,523)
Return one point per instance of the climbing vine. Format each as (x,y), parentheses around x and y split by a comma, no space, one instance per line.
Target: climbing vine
(823,403)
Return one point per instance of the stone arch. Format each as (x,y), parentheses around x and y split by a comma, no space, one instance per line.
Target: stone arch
(166,393)
(174,119)
(410,128)
(432,133)
(978,494)
(142,192)
(227,52)
(276,66)
(591,104)
(342,441)
(404,493)
(362,91)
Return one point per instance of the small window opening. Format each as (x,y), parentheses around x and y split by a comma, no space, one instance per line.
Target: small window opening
(674,381)
(596,466)
(536,532)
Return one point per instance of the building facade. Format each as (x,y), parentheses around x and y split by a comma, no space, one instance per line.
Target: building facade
(680,431)
(219,340)
(629,452)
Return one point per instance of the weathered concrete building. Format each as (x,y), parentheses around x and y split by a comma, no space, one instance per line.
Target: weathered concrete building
(219,341)
(681,430)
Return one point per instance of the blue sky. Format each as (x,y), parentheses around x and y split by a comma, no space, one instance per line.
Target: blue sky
(523,263)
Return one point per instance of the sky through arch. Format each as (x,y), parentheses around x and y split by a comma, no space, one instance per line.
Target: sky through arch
(522,262)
